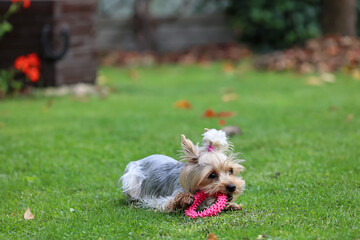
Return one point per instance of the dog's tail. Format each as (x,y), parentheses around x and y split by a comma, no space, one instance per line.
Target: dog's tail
(132,180)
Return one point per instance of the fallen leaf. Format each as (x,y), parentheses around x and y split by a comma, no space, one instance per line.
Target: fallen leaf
(228,68)
(314,81)
(101,79)
(209,113)
(184,104)
(48,105)
(2,125)
(133,74)
(212,236)
(229,97)
(327,77)
(356,74)
(349,117)
(225,114)
(222,122)
(328,53)
(28,214)
(333,109)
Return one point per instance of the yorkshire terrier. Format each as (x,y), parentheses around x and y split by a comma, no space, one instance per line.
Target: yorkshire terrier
(165,184)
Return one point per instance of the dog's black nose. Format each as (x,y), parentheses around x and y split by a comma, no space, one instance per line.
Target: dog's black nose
(231,187)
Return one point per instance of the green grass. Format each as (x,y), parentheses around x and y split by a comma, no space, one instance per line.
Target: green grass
(71,154)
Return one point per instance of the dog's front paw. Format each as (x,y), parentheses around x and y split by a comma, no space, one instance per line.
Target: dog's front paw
(233,207)
(186,200)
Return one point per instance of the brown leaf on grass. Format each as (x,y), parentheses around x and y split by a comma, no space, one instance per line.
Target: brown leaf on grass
(327,77)
(349,117)
(209,113)
(183,104)
(222,122)
(355,74)
(133,74)
(314,81)
(212,236)
(225,114)
(229,97)
(48,105)
(228,68)
(333,108)
(28,214)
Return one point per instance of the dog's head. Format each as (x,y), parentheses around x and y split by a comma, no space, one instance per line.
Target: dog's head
(212,167)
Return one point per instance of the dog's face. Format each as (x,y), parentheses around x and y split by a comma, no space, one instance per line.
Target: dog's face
(212,172)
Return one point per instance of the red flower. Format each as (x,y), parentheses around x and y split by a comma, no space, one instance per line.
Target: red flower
(34,60)
(21,63)
(26,3)
(29,65)
(33,74)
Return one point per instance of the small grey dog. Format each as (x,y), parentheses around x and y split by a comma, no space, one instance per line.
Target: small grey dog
(162,183)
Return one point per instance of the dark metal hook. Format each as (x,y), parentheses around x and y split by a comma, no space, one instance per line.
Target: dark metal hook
(47,47)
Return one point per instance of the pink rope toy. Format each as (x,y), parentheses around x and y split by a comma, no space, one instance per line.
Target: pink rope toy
(214,210)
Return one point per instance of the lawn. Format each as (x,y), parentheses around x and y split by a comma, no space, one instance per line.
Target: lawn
(62,156)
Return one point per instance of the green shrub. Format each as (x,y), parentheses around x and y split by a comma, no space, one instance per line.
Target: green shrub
(275,24)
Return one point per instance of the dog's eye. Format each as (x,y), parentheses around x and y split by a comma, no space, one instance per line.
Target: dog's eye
(231,171)
(212,175)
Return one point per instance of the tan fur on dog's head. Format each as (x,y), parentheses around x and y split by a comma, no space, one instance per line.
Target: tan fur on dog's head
(210,171)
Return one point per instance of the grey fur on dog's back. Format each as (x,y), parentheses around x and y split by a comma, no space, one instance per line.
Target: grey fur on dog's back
(155,176)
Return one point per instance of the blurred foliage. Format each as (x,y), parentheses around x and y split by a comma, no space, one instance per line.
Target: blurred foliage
(275,24)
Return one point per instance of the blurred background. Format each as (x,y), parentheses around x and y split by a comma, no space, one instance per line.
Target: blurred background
(72,37)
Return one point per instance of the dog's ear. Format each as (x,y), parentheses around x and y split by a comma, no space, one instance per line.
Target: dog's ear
(191,151)
(206,129)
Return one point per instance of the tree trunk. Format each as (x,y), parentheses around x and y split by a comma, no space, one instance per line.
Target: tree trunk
(144,26)
(339,17)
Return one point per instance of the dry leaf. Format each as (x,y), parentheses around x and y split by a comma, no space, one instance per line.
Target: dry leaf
(209,113)
(349,117)
(225,114)
(222,122)
(328,54)
(28,214)
(228,68)
(184,104)
(229,97)
(212,236)
(327,77)
(48,105)
(356,74)
(133,74)
(333,109)
(314,81)
(101,79)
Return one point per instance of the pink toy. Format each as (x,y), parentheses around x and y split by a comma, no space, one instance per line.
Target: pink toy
(214,210)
